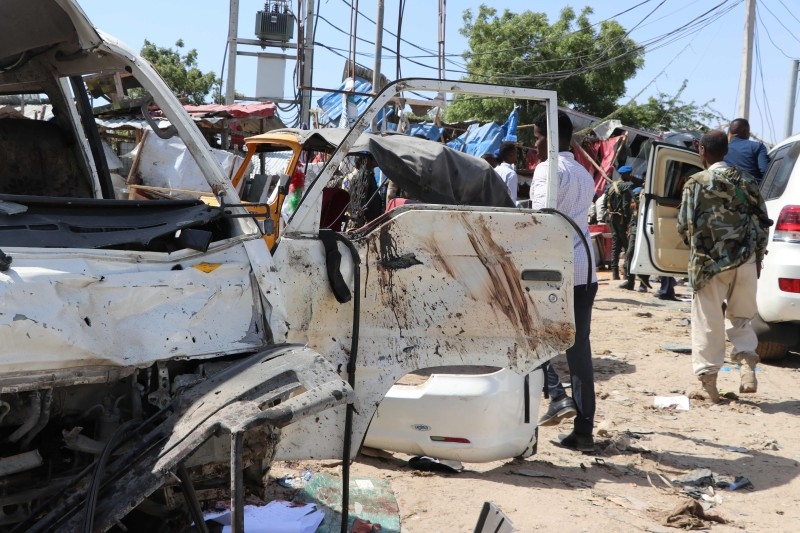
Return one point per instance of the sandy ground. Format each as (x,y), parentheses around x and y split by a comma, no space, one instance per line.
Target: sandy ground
(626,485)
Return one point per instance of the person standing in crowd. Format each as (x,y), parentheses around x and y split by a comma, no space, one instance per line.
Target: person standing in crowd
(630,279)
(575,193)
(618,209)
(667,289)
(744,154)
(508,159)
(490,158)
(723,220)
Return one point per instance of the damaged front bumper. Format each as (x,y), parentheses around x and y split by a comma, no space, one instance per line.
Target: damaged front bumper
(243,408)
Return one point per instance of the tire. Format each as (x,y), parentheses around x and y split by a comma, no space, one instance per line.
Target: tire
(771,351)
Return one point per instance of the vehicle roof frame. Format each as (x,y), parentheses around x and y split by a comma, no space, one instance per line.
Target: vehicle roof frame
(305,220)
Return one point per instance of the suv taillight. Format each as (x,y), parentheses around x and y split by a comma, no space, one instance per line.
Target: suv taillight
(789,285)
(788,226)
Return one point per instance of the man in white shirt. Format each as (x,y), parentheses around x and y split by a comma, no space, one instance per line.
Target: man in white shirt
(506,170)
(575,194)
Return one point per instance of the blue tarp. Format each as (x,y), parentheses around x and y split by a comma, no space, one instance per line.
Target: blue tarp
(331,103)
(479,140)
(427,130)
(510,126)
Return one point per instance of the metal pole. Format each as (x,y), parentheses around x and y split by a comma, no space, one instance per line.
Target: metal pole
(308,63)
(233,25)
(442,18)
(376,74)
(747,59)
(792,96)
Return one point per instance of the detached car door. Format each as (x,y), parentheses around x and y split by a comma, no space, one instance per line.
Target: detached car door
(660,250)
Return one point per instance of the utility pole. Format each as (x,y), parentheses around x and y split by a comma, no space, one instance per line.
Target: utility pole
(747,59)
(233,28)
(442,17)
(308,64)
(793,74)
(376,73)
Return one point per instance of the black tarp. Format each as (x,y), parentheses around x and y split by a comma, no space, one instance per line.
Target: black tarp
(434,173)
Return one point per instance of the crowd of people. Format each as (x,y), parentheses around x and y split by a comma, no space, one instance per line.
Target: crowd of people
(722,219)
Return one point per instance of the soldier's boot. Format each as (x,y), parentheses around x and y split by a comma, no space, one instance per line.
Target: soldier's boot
(615,272)
(630,283)
(706,389)
(748,382)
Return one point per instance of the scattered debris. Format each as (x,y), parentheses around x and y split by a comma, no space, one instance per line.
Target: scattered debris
(644,314)
(681,403)
(430,464)
(740,482)
(678,348)
(297,481)
(364,526)
(532,473)
(691,515)
(737,449)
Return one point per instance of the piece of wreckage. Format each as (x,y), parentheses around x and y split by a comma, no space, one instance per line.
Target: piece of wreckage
(157,354)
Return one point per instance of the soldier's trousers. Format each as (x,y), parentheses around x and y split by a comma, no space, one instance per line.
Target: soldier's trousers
(619,239)
(737,288)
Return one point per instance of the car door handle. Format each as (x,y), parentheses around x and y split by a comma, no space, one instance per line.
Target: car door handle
(541,275)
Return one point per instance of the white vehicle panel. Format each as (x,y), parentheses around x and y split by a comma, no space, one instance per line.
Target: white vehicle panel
(440,286)
(487,410)
(69,308)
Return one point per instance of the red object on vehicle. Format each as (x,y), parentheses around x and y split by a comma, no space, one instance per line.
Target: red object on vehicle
(787,228)
(789,285)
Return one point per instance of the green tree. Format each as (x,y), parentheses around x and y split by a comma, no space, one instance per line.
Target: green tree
(586,64)
(668,112)
(180,72)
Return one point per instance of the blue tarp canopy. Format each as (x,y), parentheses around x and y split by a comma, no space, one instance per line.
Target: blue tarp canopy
(479,140)
(331,104)
(427,130)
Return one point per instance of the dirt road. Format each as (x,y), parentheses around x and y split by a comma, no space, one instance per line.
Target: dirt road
(626,485)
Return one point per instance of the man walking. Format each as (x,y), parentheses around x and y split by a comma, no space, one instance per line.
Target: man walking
(744,154)
(508,158)
(575,194)
(618,209)
(723,220)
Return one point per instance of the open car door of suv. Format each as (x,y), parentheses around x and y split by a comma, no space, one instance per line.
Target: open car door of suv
(660,250)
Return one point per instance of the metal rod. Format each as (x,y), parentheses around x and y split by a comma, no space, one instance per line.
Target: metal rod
(237,483)
(191,499)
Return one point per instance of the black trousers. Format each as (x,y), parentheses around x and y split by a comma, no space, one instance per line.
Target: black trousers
(579,359)
(619,239)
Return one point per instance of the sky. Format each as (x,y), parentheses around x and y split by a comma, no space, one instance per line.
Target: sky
(707,54)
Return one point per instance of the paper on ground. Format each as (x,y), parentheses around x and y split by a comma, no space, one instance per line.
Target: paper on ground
(681,403)
(275,517)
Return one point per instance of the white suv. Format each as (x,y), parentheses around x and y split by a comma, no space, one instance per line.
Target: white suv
(661,251)
(778,325)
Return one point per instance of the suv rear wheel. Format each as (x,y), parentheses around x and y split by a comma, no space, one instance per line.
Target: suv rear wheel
(771,351)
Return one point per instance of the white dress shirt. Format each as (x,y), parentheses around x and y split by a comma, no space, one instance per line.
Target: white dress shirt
(509,176)
(575,194)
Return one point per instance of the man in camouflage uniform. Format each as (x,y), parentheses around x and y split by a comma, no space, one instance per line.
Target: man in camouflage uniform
(723,220)
(630,279)
(618,209)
